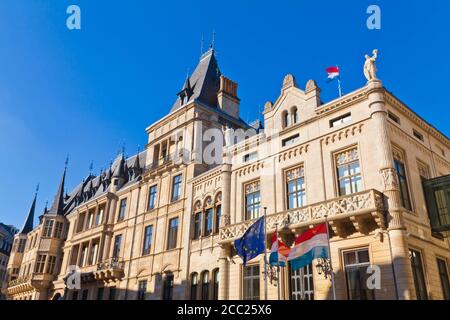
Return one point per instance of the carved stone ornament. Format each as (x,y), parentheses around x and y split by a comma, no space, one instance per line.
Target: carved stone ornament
(389,179)
(289,81)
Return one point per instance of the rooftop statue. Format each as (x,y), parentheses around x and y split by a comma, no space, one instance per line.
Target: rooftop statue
(370,68)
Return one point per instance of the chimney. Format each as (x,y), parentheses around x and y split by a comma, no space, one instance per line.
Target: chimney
(227,97)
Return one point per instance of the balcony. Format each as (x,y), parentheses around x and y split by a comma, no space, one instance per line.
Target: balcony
(180,156)
(356,212)
(19,284)
(109,270)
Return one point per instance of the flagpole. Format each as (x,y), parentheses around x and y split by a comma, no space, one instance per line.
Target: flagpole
(265,253)
(339,82)
(278,262)
(331,265)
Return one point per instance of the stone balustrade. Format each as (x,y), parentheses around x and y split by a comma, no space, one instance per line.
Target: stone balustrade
(355,208)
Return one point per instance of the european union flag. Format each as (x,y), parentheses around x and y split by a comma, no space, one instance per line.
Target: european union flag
(252,242)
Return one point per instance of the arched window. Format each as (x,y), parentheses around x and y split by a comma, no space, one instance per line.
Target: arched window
(216,284)
(194,285)
(294,115)
(286,119)
(197,225)
(168,286)
(217,212)
(208,223)
(205,285)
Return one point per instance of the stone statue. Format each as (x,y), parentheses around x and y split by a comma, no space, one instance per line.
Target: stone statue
(370,69)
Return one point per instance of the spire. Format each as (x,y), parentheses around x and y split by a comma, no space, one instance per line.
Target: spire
(57,207)
(28,225)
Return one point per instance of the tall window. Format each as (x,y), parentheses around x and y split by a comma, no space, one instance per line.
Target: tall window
(218,213)
(302,283)
(122,208)
(99,216)
(58,229)
(355,264)
(152,197)
(205,285)
(443,275)
(286,119)
(194,285)
(90,221)
(176,188)
(251,283)
(404,190)
(117,246)
(348,172)
(142,289)
(148,234)
(40,263)
(168,287)
(294,115)
(48,228)
(172,234)
(208,221)
(51,262)
(418,274)
(21,245)
(216,284)
(296,190)
(252,200)
(197,225)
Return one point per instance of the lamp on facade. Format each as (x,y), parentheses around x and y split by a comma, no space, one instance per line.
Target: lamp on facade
(323,266)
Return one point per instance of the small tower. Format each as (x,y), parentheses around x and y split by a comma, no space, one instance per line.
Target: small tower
(119,176)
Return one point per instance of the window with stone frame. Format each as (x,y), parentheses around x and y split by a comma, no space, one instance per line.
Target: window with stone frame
(152,192)
(399,165)
(348,172)
(48,228)
(194,285)
(51,263)
(356,263)
(209,217)
(40,263)
(418,274)
(205,285)
(148,235)
(197,220)
(217,212)
(251,282)
(142,290)
(252,200)
(59,229)
(443,275)
(172,234)
(295,187)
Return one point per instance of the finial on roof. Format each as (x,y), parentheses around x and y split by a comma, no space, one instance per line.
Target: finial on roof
(28,225)
(91,167)
(213,39)
(37,188)
(66,163)
(202,41)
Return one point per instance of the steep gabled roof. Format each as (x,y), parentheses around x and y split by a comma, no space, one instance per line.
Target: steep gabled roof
(28,225)
(203,83)
(57,207)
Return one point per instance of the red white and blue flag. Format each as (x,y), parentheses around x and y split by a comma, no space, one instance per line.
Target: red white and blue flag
(309,246)
(279,252)
(333,72)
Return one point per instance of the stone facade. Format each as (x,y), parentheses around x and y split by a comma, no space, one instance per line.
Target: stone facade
(167,233)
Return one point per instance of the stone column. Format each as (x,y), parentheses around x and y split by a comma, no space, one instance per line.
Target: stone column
(224,270)
(391,191)
(226,192)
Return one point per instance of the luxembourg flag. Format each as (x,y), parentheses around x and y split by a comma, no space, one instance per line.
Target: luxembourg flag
(333,72)
(279,252)
(308,246)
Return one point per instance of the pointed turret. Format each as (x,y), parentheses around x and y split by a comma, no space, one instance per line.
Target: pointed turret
(203,84)
(28,225)
(57,207)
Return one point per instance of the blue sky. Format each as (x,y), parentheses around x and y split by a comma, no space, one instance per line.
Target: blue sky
(85,92)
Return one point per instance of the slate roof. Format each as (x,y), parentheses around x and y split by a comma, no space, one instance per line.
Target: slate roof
(204,82)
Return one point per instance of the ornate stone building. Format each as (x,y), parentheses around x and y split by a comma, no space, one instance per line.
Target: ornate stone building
(6,240)
(161,224)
